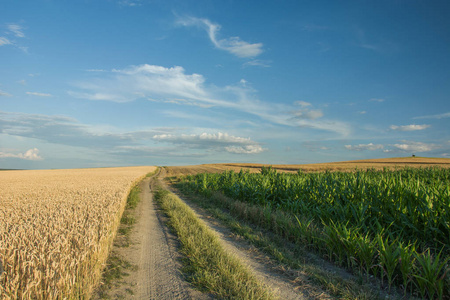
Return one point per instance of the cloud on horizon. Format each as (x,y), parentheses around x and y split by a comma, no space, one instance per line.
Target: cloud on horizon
(68,131)
(364,147)
(218,141)
(410,146)
(31,154)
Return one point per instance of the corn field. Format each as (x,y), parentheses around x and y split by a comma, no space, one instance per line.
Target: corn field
(391,224)
(57,227)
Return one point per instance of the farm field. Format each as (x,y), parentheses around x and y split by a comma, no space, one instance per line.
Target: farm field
(57,227)
(382,219)
(391,223)
(378,164)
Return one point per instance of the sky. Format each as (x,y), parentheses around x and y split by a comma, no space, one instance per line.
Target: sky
(102,83)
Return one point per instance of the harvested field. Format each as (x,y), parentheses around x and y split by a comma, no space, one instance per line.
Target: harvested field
(57,228)
(392,163)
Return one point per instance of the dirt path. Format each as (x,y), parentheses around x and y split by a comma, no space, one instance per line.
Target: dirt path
(153,252)
(261,266)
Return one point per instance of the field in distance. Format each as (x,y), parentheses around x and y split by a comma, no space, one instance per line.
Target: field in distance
(381,163)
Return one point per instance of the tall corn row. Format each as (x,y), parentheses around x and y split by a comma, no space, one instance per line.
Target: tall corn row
(393,224)
(56,229)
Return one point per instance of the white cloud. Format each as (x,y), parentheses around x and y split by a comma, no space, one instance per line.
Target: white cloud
(203,137)
(438,116)
(4,41)
(233,45)
(410,146)
(32,154)
(302,103)
(16,30)
(311,114)
(306,112)
(376,100)
(216,141)
(145,81)
(249,149)
(131,3)
(258,63)
(39,94)
(412,127)
(173,85)
(363,112)
(363,147)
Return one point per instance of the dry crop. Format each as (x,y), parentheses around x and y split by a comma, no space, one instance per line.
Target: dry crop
(56,229)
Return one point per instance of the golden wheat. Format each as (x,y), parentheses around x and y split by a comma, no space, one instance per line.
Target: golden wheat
(56,229)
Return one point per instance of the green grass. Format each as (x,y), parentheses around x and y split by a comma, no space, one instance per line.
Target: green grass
(117,267)
(206,264)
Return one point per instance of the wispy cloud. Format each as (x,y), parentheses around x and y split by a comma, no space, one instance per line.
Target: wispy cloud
(376,100)
(438,116)
(258,63)
(305,112)
(363,147)
(17,30)
(380,45)
(173,85)
(412,127)
(32,154)
(38,94)
(4,41)
(234,45)
(131,3)
(145,81)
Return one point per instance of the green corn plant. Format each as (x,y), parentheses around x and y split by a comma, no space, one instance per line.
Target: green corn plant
(406,263)
(366,253)
(389,257)
(430,278)
(347,209)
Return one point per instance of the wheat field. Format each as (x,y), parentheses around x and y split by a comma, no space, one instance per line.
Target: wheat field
(56,229)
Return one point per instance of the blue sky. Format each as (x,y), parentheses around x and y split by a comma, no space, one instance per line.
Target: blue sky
(128,82)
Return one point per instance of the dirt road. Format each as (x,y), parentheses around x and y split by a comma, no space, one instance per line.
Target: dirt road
(153,253)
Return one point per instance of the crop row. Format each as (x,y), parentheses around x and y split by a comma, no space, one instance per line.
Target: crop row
(393,224)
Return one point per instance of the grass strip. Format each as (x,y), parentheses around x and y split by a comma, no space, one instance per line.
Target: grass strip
(290,255)
(206,264)
(117,267)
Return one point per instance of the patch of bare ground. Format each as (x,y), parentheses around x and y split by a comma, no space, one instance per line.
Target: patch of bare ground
(153,257)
